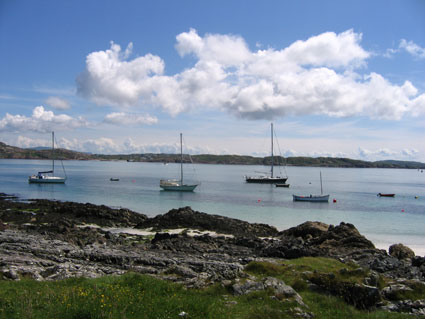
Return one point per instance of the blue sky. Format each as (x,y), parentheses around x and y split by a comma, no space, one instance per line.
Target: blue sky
(338,78)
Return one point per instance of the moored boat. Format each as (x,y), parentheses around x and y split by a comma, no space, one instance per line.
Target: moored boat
(267,179)
(385,195)
(313,198)
(174,184)
(42,177)
(282,185)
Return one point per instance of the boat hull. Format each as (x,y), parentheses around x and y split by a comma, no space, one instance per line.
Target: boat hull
(311,198)
(46,180)
(386,195)
(266,180)
(282,185)
(179,188)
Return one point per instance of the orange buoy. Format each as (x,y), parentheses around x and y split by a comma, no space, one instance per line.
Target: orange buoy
(334,200)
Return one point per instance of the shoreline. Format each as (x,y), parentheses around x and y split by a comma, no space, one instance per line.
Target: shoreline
(382,243)
(53,240)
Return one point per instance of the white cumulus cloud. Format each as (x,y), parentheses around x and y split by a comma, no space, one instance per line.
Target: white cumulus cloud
(40,121)
(110,79)
(58,103)
(320,75)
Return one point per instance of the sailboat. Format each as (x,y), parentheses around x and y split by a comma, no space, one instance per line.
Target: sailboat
(42,178)
(267,179)
(174,184)
(313,198)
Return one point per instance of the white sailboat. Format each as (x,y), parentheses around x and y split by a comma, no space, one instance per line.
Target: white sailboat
(174,184)
(267,179)
(313,198)
(42,177)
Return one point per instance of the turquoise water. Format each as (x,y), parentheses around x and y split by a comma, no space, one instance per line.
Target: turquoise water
(223,191)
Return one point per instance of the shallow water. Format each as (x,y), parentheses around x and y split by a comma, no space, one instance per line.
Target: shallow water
(223,191)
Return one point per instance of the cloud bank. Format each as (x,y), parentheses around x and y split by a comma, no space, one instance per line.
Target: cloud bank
(121,118)
(106,145)
(40,121)
(318,76)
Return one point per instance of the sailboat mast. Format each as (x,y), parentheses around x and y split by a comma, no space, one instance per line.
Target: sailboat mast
(181,158)
(271,128)
(53,153)
(321,187)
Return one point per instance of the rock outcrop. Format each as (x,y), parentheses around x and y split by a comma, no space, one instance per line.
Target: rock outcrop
(187,218)
(401,252)
(51,240)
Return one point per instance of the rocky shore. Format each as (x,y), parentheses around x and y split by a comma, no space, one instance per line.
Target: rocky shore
(52,240)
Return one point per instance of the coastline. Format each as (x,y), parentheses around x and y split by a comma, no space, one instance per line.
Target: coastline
(12,152)
(53,240)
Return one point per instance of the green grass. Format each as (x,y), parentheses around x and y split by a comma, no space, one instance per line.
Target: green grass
(417,292)
(294,270)
(330,307)
(129,296)
(140,296)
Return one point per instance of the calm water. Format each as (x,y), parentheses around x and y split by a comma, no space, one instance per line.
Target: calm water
(223,191)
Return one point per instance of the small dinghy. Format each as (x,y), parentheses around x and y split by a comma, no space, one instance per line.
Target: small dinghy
(385,195)
(282,185)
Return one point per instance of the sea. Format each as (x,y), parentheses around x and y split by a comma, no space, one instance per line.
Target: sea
(223,191)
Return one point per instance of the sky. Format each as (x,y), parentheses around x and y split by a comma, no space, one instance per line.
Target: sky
(337,78)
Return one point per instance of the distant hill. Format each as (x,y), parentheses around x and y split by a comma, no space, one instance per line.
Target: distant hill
(11,152)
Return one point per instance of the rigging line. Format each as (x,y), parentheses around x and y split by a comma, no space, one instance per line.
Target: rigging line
(191,161)
(63,167)
(280,152)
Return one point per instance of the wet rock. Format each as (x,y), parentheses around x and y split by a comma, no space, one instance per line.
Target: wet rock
(307,230)
(319,239)
(42,211)
(187,218)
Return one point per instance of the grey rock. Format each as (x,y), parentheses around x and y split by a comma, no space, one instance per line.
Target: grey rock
(391,291)
(279,287)
(11,274)
(400,252)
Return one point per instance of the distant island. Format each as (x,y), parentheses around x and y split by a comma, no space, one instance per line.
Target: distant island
(12,152)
